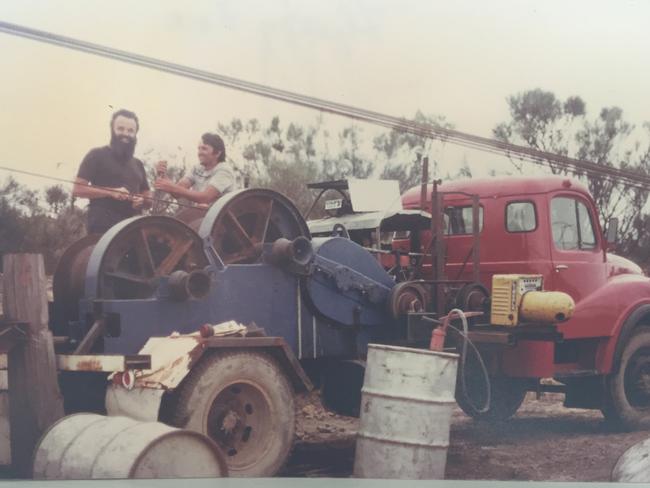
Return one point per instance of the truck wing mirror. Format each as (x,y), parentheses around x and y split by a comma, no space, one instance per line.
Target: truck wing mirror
(611,233)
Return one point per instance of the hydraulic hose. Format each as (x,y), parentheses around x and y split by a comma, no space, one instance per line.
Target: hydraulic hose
(463,359)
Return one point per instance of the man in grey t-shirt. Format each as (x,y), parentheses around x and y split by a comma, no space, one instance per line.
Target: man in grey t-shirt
(206,181)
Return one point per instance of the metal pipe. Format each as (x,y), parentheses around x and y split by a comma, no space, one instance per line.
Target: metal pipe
(476,240)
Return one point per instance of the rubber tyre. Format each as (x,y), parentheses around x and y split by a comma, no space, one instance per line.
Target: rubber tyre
(620,407)
(245,393)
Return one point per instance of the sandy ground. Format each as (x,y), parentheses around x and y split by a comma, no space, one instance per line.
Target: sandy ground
(543,442)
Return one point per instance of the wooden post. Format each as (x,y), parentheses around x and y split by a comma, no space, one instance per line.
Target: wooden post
(35,401)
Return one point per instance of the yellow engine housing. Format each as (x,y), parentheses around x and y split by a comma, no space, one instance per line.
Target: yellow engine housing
(520,298)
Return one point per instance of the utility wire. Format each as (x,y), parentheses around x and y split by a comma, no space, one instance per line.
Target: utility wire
(494,146)
(112,190)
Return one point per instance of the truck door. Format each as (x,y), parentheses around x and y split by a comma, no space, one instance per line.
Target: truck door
(576,246)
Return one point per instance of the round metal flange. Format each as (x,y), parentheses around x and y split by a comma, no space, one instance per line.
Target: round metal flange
(237,422)
(129,259)
(240,223)
(69,278)
(407,297)
(472,297)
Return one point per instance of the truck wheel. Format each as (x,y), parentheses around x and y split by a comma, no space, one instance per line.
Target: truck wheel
(506,396)
(627,401)
(244,402)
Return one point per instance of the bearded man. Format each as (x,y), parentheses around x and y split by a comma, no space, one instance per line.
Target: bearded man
(112,179)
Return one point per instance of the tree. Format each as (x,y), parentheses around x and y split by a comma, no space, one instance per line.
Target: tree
(56,197)
(348,162)
(13,225)
(541,121)
(27,226)
(398,151)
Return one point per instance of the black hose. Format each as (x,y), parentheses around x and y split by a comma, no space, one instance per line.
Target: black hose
(463,358)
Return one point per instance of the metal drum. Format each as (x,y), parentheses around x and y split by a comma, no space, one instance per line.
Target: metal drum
(634,464)
(406,405)
(90,446)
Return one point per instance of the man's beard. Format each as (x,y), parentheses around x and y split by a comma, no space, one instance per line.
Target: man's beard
(123,150)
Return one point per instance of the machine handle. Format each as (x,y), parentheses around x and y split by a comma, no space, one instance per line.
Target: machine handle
(560,267)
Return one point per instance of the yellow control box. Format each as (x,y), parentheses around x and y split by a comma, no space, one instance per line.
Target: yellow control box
(508,291)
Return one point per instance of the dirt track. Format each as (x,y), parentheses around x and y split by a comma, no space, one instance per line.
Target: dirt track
(543,442)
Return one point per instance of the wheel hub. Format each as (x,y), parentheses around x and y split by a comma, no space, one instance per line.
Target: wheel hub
(637,380)
(239,421)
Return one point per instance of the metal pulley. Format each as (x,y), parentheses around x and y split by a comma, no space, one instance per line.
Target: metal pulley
(408,297)
(240,223)
(131,258)
(129,262)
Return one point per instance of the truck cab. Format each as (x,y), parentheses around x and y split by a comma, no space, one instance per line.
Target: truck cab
(549,226)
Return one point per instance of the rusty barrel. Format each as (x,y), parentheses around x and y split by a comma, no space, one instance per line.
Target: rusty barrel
(90,446)
(406,405)
(634,464)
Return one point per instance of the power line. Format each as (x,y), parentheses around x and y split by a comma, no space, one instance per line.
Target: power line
(631,179)
(112,190)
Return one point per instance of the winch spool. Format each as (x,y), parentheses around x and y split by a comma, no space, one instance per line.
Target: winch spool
(184,285)
(297,252)
(240,223)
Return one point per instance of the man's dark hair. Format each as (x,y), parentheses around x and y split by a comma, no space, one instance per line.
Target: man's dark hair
(129,115)
(216,143)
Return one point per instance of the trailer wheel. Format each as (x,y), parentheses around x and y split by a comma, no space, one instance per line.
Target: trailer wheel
(244,402)
(627,397)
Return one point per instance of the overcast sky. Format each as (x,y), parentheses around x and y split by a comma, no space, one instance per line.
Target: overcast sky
(459,59)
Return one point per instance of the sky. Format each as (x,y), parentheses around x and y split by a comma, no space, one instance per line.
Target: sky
(458,59)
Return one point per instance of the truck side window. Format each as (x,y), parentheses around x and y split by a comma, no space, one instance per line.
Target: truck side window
(520,217)
(571,225)
(458,220)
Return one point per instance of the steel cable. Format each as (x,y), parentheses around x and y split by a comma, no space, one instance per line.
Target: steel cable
(631,179)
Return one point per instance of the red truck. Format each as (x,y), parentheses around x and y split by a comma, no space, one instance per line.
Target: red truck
(600,357)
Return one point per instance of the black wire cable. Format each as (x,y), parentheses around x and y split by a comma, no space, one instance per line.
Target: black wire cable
(580,167)
(113,190)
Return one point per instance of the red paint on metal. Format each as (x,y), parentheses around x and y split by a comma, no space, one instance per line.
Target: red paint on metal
(606,288)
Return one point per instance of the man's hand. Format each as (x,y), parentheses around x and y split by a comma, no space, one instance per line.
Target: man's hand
(164,184)
(120,193)
(137,201)
(161,169)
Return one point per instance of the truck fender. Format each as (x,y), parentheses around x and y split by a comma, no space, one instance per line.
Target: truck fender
(610,351)
(175,357)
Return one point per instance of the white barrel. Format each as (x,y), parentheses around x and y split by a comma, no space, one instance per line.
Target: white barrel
(90,446)
(634,464)
(406,405)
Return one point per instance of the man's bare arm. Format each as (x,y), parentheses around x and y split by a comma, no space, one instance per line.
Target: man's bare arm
(207,196)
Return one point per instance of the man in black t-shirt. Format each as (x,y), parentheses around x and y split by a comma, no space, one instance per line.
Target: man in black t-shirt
(112,179)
